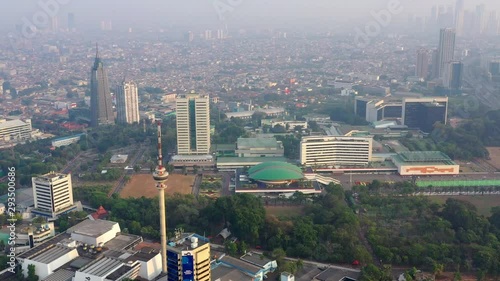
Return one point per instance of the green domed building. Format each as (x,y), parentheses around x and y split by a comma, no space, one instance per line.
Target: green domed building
(275,173)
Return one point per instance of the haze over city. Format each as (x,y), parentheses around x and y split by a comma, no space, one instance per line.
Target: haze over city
(249,140)
(318,14)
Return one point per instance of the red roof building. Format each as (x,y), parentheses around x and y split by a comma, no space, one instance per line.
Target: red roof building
(100,214)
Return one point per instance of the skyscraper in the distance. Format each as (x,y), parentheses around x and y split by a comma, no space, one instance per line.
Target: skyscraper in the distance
(71,22)
(480,19)
(423,59)
(127,103)
(454,75)
(101,107)
(54,24)
(446,49)
(459,17)
(193,124)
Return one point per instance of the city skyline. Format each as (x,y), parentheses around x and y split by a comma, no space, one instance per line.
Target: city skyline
(154,14)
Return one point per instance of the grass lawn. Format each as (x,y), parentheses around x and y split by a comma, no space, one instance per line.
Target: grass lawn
(482,203)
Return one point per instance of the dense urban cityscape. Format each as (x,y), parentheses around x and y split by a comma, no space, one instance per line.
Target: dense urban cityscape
(328,148)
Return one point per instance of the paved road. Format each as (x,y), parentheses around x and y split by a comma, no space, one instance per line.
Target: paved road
(196,185)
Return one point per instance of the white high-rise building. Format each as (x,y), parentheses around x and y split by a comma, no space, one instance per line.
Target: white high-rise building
(446,49)
(53,194)
(335,151)
(127,103)
(193,124)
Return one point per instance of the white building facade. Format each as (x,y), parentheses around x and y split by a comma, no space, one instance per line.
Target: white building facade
(15,130)
(127,103)
(193,124)
(53,194)
(335,151)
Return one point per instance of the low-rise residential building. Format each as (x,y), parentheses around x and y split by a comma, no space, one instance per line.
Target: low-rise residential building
(63,141)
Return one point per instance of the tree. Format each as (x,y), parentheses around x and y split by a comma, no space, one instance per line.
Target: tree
(137,168)
(278,129)
(32,273)
(231,248)
(438,269)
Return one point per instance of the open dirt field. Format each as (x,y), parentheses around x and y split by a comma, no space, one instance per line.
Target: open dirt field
(144,185)
(482,203)
(495,156)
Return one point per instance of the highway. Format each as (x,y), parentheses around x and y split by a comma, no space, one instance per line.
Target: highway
(482,89)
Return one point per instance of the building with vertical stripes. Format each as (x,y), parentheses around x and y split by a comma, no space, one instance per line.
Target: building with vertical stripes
(127,103)
(324,151)
(53,194)
(193,124)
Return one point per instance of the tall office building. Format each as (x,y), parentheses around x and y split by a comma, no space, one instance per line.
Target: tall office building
(193,124)
(423,60)
(127,103)
(492,24)
(423,113)
(446,49)
(494,67)
(100,97)
(71,22)
(454,75)
(459,17)
(435,64)
(208,34)
(188,258)
(53,194)
(54,24)
(480,19)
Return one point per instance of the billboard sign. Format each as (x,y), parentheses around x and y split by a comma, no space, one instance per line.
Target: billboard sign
(187,267)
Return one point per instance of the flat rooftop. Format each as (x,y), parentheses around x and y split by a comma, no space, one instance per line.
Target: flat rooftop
(412,157)
(240,265)
(45,245)
(51,253)
(60,275)
(256,259)
(144,255)
(334,274)
(123,242)
(229,160)
(92,228)
(119,272)
(51,176)
(183,243)
(101,267)
(249,143)
(227,273)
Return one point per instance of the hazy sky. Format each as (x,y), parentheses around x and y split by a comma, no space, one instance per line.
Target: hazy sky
(203,12)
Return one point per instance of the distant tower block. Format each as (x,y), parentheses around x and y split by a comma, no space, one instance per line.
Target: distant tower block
(160,175)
